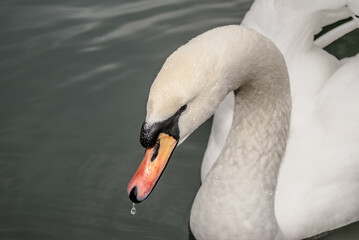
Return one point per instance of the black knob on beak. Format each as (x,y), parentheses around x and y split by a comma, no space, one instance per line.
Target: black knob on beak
(149,134)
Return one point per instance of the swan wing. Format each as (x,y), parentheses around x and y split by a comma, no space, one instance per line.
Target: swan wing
(318,183)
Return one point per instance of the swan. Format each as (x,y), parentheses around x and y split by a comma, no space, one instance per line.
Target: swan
(278,175)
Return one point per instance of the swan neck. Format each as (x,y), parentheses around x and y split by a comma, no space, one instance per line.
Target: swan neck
(256,144)
(247,168)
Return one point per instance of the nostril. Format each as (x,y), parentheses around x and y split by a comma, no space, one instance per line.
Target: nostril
(155,152)
(133,195)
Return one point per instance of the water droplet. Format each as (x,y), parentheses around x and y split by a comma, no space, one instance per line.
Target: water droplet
(133,209)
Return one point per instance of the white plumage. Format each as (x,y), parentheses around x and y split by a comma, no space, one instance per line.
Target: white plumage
(317,188)
(318,184)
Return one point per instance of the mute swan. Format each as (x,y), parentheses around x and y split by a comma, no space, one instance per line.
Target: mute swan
(239,197)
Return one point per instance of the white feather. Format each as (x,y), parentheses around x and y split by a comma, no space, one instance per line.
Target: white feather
(251,188)
(318,183)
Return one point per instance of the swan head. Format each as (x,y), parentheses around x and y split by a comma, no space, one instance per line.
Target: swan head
(186,92)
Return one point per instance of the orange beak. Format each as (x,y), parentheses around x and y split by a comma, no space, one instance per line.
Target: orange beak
(151,168)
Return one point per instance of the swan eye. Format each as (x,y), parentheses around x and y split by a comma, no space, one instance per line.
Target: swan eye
(183,108)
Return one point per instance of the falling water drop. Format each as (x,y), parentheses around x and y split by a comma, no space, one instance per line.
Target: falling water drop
(133,209)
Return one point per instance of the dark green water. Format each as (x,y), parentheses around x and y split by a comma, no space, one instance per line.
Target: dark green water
(74,80)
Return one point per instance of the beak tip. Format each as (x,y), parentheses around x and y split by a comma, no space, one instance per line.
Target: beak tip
(133,195)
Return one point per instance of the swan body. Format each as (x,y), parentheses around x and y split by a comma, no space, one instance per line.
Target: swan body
(308,64)
(286,166)
(318,182)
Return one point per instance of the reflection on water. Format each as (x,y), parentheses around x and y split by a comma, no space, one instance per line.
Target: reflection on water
(74,82)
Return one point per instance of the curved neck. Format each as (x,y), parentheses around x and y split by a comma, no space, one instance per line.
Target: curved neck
(238,194)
